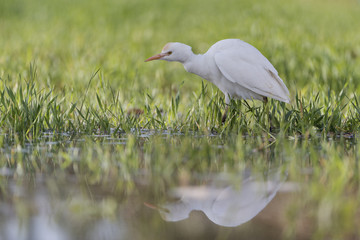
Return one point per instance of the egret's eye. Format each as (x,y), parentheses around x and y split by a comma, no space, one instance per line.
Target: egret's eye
(169,52)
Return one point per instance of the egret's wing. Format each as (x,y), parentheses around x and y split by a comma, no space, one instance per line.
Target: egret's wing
(237,204)
(246,66)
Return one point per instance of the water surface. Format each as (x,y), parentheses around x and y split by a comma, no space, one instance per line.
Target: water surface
(162,186)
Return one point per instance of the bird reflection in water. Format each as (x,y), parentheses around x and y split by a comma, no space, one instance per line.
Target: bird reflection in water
(227,200)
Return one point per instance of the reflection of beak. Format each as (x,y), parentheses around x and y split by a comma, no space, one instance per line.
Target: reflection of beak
(149,205)
(156,57)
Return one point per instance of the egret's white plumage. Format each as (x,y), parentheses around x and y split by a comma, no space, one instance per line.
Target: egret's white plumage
(238,69)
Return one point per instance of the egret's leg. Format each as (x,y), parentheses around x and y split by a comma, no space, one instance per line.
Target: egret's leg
(265,99)
(223,119)
(227,103)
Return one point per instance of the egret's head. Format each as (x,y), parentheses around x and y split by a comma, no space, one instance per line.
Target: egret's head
(173,51)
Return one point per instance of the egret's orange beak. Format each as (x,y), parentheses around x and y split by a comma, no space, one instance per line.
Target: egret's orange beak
(156,57)
(152,206)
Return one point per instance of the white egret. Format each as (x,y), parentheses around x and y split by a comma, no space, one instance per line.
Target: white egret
(228,200)
(237,68)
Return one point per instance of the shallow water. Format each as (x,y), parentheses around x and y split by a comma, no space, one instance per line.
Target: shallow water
(48,208)
(134,187)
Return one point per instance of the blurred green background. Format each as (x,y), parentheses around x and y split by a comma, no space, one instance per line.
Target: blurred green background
(313,44)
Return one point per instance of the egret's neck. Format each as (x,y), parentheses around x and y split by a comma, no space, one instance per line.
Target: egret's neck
(196,64)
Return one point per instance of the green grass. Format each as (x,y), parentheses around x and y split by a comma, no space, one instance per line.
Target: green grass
(91,60)
(78,101)
(28,111)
